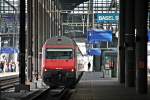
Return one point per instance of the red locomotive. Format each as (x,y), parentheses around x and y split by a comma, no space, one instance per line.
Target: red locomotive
(61,60)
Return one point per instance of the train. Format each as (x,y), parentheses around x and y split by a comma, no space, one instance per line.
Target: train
(61,62)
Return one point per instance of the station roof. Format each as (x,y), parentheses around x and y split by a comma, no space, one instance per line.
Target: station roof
(71,4)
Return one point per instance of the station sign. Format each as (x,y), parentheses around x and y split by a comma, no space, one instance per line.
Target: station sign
(95,36)
(148,36)
(8,23)
(107,17)
(8,18)
(94,51)
(9,50)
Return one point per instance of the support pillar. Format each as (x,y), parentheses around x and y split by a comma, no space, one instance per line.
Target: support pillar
(52,19)
(47,15)
(121,42)
(50,15)
(39,47)
(91,14)
(43,19)
(55,20)
(129,44)
(22,39)
(141,13)
(29,40)
(59,18)
(44,26)
(96,59)
(35,34)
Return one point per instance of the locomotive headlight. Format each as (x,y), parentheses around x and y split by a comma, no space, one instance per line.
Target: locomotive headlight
(72,70)
(45,69)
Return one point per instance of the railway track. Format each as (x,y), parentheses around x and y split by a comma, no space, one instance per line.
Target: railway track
(8,82)
(53,94)
(60,93)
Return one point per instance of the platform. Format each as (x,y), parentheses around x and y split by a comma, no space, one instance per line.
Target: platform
(92,86)
(97,88)
(5,74)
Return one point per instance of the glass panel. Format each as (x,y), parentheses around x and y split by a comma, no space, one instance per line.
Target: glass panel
(59,54)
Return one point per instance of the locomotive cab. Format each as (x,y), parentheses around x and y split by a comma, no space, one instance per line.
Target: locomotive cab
(59,62)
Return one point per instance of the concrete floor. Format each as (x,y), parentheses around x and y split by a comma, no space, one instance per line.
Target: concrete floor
(92,87)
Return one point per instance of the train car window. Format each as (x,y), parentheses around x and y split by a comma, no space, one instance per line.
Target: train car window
(59,53)
(78,54)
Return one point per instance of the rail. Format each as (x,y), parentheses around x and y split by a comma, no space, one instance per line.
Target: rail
(8,82)
(54,94)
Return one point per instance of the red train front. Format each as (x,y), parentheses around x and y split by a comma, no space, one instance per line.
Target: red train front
(59,62)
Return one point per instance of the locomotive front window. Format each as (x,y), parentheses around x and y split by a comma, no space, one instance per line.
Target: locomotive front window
(59,54)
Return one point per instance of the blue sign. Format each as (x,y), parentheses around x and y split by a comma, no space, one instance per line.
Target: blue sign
(148,35)
(9,50)
(95,36)
(8,17)
(94,51)
(107,18)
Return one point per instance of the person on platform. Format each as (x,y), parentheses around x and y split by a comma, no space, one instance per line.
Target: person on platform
(89,66)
